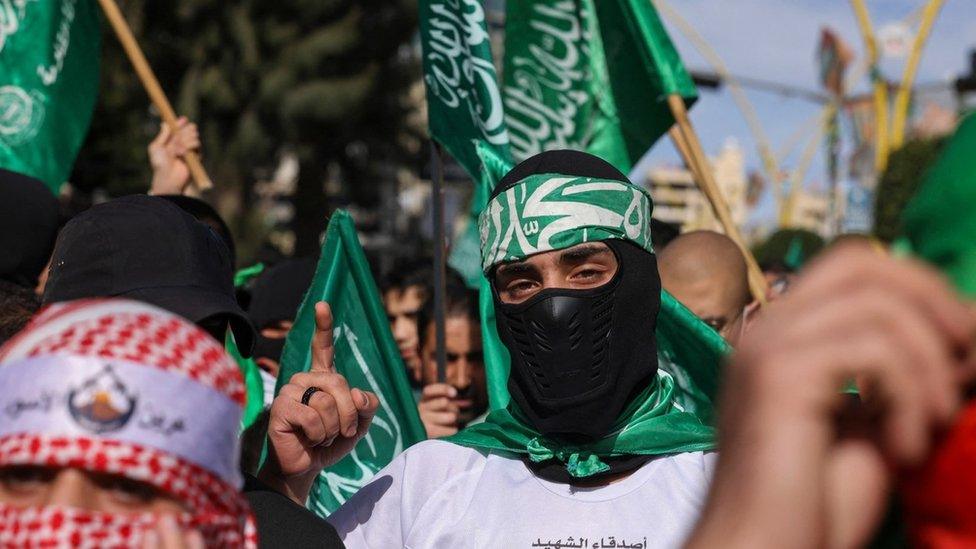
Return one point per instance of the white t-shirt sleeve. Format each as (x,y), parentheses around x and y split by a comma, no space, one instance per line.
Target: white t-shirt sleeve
(383,513)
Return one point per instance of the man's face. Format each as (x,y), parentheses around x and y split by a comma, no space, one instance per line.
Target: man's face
(402,308)
(32,486)
(711,301)
(580,267)
(277,331)
(465,364)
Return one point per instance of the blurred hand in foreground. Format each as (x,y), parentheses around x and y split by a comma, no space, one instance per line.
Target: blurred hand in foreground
(799,465)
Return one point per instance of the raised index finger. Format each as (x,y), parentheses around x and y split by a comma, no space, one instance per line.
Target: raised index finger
(323,351)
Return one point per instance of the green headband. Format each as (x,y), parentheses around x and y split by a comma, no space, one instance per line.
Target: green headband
(550,212)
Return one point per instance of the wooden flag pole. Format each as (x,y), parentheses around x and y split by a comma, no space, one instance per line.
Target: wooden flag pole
(149,81)
(679,143)
(688,145)
(440,261)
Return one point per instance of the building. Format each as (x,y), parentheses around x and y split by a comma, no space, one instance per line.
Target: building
(677,198)
(811,211)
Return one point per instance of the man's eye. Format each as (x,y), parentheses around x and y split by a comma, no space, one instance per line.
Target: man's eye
(25,478)
(716,323)
(127,490)
(520,286)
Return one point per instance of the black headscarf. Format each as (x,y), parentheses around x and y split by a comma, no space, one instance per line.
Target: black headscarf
(276,296)
(28,228)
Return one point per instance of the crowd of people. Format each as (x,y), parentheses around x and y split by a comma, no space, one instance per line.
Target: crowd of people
(121,408)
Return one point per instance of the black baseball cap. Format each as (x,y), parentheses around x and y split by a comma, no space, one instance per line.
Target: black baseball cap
(206,214)
(148,249)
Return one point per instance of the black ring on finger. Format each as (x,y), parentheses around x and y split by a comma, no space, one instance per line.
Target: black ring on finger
(307,395)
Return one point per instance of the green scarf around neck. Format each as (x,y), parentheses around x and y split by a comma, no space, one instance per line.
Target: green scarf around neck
(653,424)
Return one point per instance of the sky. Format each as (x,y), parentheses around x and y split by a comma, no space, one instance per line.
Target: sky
(776,40)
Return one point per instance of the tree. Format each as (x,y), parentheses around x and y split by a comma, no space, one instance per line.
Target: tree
(323,79)
(900,181)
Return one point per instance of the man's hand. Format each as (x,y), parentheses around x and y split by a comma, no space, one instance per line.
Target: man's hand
(304,439)
(798,465)
(170,172)
(438,411)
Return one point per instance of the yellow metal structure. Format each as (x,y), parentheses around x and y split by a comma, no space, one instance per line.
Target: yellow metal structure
(787,186)
(880,86)
(903,98)
(896,138)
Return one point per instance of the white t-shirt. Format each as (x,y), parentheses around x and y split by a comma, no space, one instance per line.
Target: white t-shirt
(438,494)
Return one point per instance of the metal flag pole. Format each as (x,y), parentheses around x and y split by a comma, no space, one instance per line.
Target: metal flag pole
(440,259)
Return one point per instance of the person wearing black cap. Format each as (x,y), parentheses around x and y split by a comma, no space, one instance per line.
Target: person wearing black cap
(275,298)
(28,227)
(594,443)
(206,214)
(148,249)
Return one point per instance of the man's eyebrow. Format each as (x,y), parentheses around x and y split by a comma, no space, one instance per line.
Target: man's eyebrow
(515,269)
(580,254)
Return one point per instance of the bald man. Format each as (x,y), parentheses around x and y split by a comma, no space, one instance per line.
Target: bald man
(705,271)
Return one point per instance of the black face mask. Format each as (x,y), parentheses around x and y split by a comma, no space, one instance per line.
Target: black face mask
(266,347)
(580,356)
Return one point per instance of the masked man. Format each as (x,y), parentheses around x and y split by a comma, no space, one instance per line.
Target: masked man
(592,448)
(102,439)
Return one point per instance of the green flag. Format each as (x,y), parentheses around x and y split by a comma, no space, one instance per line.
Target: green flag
(464,104)
(589,75)
(254,387)
(254,404)
(940,223)
(365,353)
(49,57)
(465,255)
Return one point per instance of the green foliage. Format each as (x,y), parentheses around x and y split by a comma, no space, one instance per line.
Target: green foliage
(322,78)
(900,181)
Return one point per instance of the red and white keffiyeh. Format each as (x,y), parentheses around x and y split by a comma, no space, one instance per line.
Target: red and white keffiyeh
(123,388)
